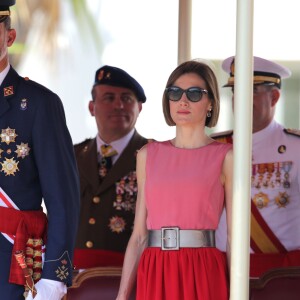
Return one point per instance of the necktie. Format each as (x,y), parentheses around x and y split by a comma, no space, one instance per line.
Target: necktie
(107,152)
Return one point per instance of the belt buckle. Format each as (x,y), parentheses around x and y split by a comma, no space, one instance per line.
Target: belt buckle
(170,236)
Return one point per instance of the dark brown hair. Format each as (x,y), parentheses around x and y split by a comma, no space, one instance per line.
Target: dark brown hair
(205,73)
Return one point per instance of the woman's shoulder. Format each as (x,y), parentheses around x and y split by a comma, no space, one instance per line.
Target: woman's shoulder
(222,145)
(152,147)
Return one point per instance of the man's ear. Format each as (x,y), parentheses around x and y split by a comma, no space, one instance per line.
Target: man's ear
(11,36)
(140,106)
(275,96)
(91,107)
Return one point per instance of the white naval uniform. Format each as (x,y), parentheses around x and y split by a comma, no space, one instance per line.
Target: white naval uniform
(274,145)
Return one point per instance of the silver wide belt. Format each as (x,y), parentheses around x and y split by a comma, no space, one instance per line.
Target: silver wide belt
(173,238)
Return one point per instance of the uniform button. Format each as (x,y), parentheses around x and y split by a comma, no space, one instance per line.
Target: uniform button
(89,244)
(92,221)
(96,199)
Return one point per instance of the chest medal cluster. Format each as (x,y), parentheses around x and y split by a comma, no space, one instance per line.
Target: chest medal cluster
(11,152)
(272,183)
(126,192)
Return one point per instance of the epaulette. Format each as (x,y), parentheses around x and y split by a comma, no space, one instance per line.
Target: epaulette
(35,84)
(223,137)
(291,131)
(82,143)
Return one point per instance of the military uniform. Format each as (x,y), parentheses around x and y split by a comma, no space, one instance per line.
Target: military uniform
(37,162)
(275,188)
(275,181)
(107,207)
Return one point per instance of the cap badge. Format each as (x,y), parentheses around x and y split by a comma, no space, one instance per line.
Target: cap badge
(8,135)
(8,91)
(10,166)
(100,75)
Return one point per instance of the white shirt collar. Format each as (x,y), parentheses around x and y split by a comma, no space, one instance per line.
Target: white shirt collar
(4,73)
(118,145)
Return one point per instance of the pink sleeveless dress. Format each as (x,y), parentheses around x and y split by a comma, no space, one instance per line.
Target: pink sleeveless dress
(183,189)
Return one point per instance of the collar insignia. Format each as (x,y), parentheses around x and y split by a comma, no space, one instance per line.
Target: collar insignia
(8,91)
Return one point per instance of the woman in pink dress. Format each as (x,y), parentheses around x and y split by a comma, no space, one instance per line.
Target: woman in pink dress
(183,185)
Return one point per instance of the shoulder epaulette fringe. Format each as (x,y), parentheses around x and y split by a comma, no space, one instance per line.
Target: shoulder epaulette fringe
(291,131)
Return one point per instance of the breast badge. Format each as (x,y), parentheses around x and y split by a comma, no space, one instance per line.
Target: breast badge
(22,150)
(117,224)
(24,104)
(261,200)
(10,166)
(10,152)
(8,135)
(282,199)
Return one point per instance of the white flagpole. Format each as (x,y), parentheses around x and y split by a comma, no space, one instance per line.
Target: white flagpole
(243,101)
(184,30)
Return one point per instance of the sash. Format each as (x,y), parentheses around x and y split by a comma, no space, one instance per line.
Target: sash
(5,201)
(262,238)
(26,230)
(29,229)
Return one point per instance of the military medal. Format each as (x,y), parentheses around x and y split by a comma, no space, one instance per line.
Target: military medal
(8,135)
(10,166)
(118,202)
(117,224)
(282,199)
(261,200)
(126,190)
(22,150)
(286,167)
(278,175)
(129,205)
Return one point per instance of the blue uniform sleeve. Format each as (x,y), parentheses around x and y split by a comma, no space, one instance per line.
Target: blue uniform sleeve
(59,181)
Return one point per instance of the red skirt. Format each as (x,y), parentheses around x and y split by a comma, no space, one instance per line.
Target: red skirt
(186,274)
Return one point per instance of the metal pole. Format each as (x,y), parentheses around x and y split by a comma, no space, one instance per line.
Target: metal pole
(243,102)
(184,30)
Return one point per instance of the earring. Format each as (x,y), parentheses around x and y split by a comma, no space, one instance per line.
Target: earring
(208,113)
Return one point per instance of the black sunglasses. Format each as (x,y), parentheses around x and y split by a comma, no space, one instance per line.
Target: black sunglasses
(194,94)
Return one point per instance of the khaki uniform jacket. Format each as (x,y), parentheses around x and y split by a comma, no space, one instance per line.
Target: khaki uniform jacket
(107,207)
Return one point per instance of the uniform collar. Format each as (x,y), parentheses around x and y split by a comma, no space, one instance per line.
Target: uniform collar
(4,73)
(119,145)
(264,133)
